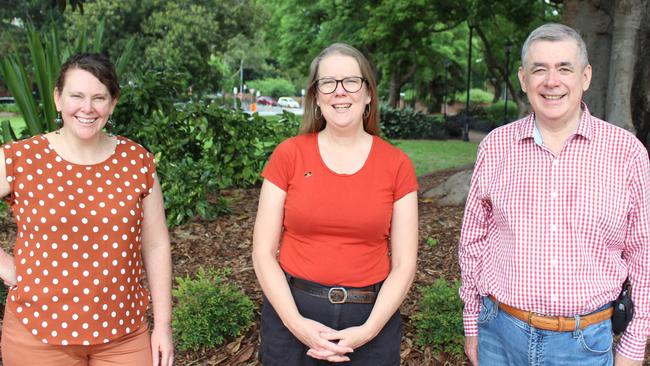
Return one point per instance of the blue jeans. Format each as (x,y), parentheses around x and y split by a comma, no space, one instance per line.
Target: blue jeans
(506,340)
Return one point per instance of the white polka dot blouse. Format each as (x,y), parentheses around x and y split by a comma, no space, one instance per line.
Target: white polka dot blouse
(77,249)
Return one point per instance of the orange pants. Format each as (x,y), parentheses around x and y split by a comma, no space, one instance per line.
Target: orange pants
(21,348)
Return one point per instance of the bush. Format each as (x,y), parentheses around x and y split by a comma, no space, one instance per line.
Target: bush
(407,124)
(275,88)
(476,96)
(494,112)
(209,310)
(199,148)
(12,108)
(439,320)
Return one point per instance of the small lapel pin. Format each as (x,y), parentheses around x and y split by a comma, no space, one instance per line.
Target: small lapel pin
(307,174)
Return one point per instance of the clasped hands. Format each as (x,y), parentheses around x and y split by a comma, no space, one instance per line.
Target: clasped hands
(328,344)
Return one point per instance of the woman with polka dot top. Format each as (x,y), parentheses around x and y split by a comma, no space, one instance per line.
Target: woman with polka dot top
(89,214)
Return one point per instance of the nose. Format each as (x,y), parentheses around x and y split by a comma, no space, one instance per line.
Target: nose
(86,104)
(552,78)
(340,90)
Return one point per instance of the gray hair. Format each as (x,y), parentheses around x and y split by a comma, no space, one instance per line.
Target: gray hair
(555,32)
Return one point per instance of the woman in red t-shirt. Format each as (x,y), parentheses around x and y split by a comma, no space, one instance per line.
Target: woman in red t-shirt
(336,234)
(89,214)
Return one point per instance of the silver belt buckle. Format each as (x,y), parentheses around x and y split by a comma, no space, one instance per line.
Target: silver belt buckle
(337,295)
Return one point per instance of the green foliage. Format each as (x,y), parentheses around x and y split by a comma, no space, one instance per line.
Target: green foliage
(209,148)
(476,96)
(495,112)
(11,108)
(47,54)
(275,87)
(3,288)
(432,242)
(408,124)
(209,310)
(439,320)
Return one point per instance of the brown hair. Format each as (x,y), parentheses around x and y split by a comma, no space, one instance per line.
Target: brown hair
(95,63)
(313,122)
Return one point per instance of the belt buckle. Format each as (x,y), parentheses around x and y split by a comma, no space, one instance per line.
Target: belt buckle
(337,295)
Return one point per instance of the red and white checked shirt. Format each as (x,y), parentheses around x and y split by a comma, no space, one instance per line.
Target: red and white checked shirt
(558,234)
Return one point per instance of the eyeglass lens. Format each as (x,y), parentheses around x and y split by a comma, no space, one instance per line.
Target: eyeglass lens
(350,84)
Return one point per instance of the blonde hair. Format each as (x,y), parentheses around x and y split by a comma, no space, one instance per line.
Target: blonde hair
(313,121)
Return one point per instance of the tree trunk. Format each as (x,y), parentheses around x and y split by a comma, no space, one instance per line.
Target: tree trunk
(394,88)
(593,20)
(640,97)
(627,23)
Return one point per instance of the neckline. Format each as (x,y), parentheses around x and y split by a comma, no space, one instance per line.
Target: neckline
(118,142)
(365,163)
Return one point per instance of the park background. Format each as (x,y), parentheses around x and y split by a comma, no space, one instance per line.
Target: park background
(191,70)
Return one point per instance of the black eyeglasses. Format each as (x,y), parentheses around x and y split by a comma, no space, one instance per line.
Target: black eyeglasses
(351,84)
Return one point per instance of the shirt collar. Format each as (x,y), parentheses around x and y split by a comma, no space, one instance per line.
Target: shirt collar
(528,128)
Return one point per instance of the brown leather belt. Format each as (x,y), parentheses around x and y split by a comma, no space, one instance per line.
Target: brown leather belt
(336,294)
(554,323)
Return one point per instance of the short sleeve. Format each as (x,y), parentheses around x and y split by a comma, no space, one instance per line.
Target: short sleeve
(9,168)
(280,167)
(149,171)
(405,179)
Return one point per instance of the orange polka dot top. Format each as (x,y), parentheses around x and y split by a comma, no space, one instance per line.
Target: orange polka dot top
(77,249)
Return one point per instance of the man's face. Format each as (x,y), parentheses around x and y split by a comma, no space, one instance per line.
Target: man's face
(554,80)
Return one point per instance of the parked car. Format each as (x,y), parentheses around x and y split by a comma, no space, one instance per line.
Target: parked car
(265,101)
(7,100)
(288,102)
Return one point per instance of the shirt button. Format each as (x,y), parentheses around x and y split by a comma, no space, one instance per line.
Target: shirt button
(553,227)
(555,163)
(554,298)
(553,262)
(554,194)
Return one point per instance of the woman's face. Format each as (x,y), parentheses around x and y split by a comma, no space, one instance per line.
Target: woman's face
(85,103)
(342,109)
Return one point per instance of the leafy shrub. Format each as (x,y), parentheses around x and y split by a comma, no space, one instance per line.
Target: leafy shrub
(209,310)
(273,87)
(495,111)
(3,294)
(478,96)
(408,124)
(199,148)
(439,321)
(12,108)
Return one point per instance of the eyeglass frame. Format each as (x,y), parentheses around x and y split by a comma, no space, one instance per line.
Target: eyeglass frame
(337,81)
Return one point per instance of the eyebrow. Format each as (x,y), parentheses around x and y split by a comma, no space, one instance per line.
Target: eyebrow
(559,64)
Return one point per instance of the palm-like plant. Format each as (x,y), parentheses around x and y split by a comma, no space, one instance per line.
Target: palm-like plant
(47,54)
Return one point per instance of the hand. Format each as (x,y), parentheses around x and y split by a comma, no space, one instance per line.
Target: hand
(471,349)
(620,360)
(8,270)
(309,332)
(353,337)
(162,347)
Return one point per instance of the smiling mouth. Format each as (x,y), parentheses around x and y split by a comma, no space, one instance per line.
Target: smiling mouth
(341,107)
(553,97)
(85,120)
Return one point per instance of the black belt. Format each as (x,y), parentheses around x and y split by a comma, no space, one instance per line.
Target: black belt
(337,294)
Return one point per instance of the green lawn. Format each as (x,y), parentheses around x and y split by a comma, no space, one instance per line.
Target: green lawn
(431,155)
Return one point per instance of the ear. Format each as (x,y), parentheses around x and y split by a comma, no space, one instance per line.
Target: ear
(57,99)
(586,78)
(114,103)
(522,79)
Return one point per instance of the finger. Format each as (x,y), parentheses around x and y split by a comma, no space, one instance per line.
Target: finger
(338,358)
(331,336)
(331,346)
(319,355)
(155,354)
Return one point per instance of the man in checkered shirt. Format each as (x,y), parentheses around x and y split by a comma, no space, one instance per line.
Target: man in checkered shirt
(557,218)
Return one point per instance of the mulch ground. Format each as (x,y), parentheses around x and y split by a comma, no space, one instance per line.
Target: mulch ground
(226,242)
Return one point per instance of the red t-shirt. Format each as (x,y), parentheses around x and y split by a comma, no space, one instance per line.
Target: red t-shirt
(336,226)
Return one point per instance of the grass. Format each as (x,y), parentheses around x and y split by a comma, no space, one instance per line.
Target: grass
(432,155)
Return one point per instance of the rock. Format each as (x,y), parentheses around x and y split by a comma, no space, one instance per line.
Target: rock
(453,191)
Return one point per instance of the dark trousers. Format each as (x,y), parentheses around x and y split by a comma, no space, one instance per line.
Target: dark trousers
(280,348)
